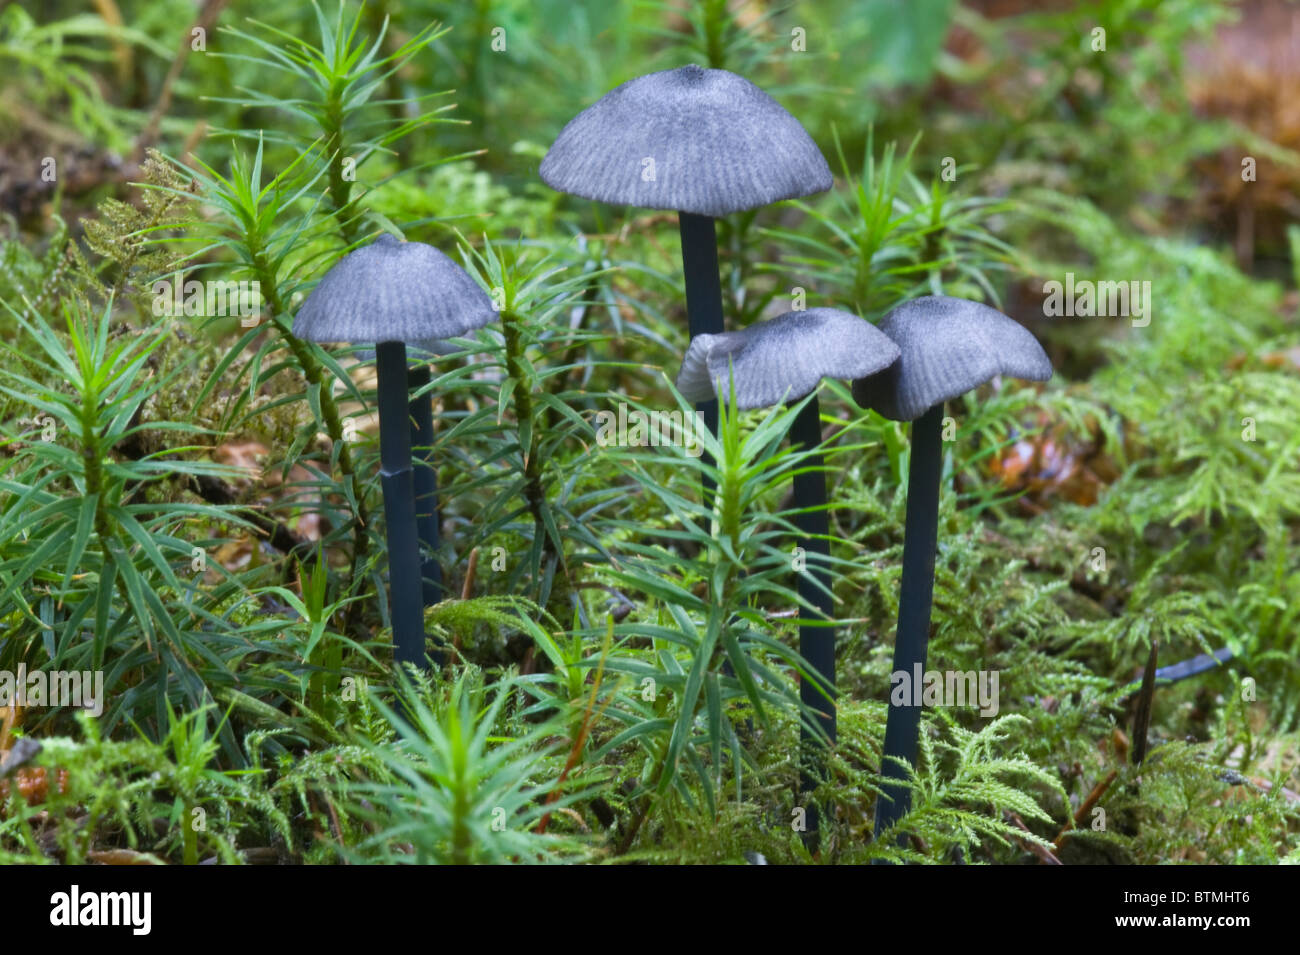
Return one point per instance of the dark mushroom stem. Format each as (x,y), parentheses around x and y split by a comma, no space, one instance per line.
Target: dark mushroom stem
(405,605)
(426,484)
(816,644)
(917,593)
(703,301)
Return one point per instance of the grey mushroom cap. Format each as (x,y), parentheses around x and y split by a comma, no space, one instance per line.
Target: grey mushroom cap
(393,291)
(949,347)
(695,140)
(783,358)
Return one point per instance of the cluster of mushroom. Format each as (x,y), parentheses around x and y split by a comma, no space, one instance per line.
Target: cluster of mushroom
(925,352)
(709,143)
(705,143)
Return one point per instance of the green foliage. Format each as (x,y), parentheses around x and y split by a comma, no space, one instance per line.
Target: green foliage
(713,572)
(895,238)
(959,775)
(133,790)
(340,121)
(77,530)
(55,65)
(1188,806)
(460,793)
(136,241)
(1107,115)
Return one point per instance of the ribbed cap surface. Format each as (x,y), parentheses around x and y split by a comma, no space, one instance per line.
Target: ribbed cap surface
(949,346)
(393,291)
(713,142)
(784,358)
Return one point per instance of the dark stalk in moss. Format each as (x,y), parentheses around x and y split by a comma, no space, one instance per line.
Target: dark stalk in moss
(426,482)
(770,362)
(948,346)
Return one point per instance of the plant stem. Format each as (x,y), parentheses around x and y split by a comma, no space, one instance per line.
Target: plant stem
(312,371)
(816,644)
(426,484)
(522,395)
(405,605)
(919,542)
(344,210)
(703,301)
(92,455)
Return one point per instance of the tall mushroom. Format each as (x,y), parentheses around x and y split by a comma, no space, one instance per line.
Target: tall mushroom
(390,293)
(783,359)
(705,143)
(949,346)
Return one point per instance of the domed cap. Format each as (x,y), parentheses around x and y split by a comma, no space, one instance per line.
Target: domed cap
(949,346)
(783,358)
(393,291)
(718,143)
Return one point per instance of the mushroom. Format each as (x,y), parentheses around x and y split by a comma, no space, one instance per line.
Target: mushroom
(705,143)
(392,292)
(949,346)
(784,359)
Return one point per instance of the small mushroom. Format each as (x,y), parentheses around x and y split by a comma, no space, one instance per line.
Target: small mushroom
(949,346)
(705,143)
(392,292)
(784,359)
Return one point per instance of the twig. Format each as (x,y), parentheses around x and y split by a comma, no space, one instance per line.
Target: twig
(470,571)
(1142,716)
(334,821)
(206,18)
(1085,807)
(1044,854)
(588,719)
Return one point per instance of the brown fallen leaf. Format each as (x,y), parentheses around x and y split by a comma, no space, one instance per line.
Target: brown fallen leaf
(123,857)
(1055,462)
(248,456)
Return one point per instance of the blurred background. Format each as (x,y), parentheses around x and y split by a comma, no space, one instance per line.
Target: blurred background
(1145,111)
